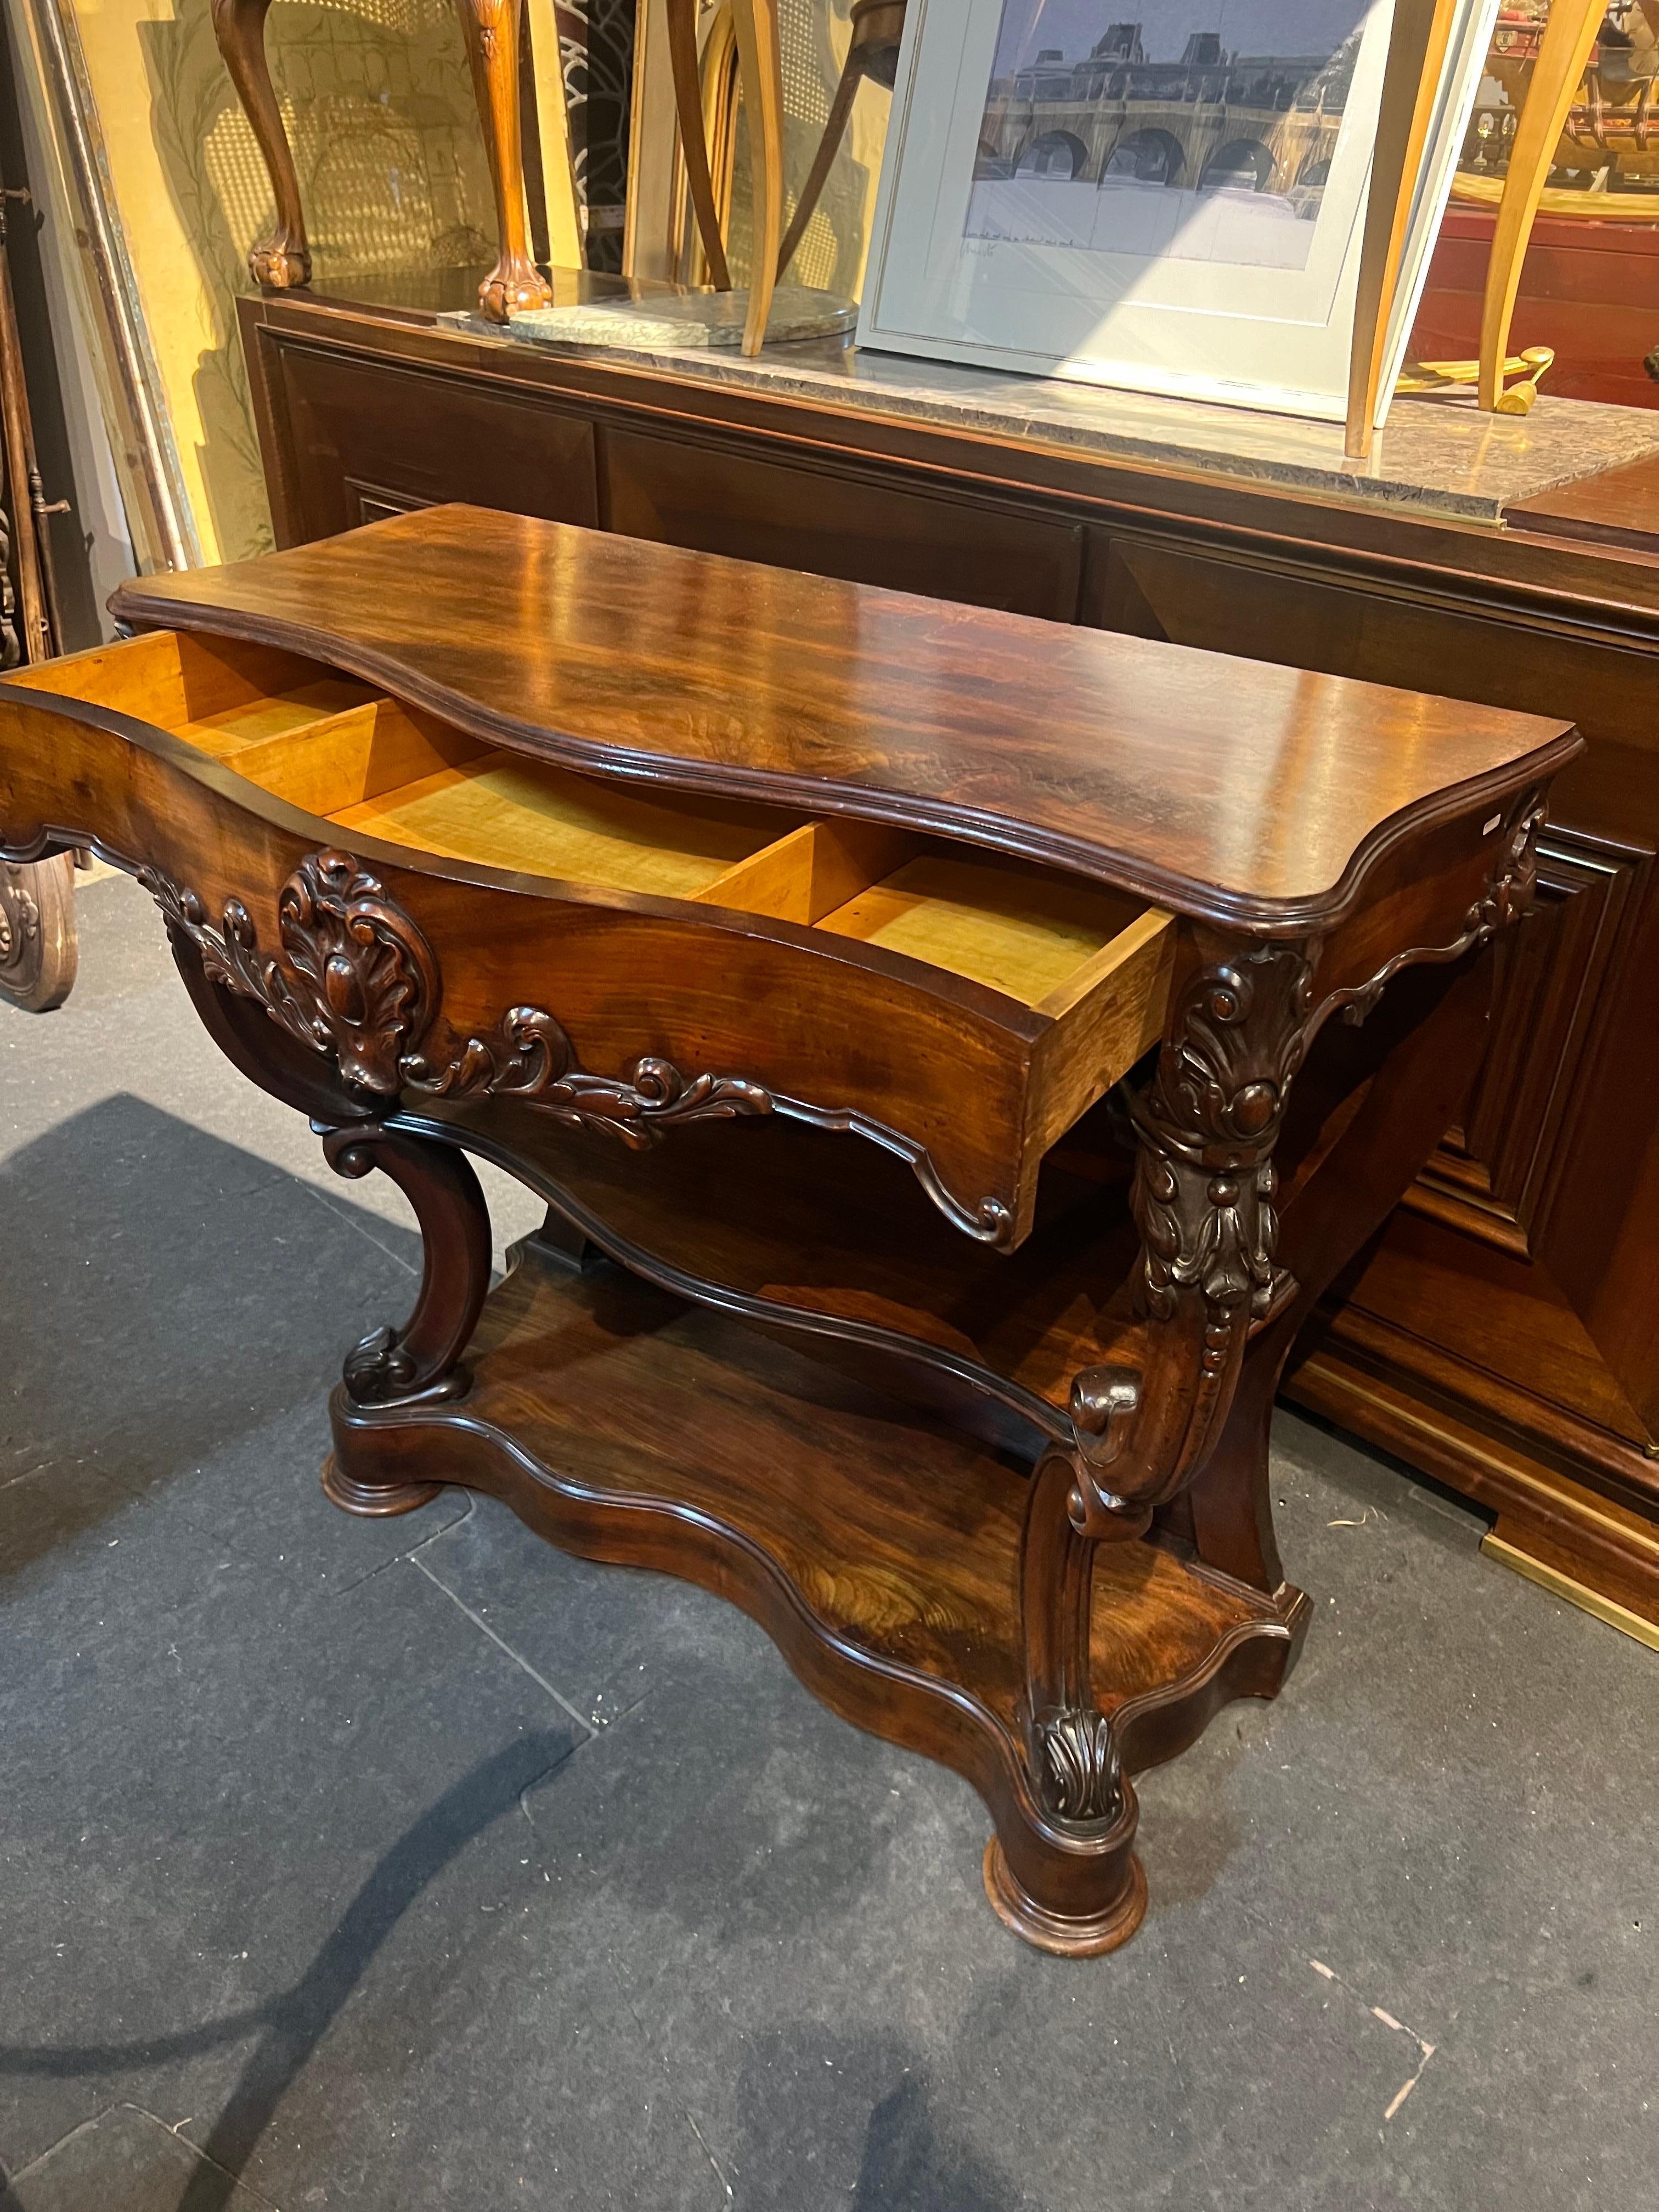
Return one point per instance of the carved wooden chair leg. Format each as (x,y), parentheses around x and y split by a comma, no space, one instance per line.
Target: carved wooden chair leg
(760,64)
(1066,1878)
(284,260)
(421,1362)
(682,16)
(37,946)
(834,129)
(491,30)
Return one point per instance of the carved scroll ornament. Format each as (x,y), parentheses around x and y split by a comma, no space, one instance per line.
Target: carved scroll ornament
(357,982)
(1203,1195)
(20,924)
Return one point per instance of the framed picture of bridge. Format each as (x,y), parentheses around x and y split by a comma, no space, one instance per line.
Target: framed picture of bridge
(1170,198)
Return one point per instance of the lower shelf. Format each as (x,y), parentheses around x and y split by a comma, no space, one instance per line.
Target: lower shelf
(877,1548)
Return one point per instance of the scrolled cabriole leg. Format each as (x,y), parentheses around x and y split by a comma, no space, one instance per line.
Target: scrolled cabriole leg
(420,1364)
(282,261)
(1062,1872)
(1205,1128)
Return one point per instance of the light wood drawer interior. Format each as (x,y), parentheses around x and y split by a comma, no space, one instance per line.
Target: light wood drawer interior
(218,694)
(1094,962)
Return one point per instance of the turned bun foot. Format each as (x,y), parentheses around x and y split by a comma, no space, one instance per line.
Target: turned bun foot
(1064,1934)
(510,289)
(373,1501)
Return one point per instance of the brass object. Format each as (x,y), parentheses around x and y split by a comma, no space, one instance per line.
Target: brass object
(1529,365)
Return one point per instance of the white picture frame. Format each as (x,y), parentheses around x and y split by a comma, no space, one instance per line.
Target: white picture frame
(1225,288)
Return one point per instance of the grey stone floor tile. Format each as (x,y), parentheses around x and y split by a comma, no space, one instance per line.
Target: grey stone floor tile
(125,2159)
(275,1884)
(204,1766)
(191,1289)
(606,1635)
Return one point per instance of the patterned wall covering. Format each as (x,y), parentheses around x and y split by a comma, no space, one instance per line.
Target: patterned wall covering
(378,101)
(596,55)
(378,107)
(814,39)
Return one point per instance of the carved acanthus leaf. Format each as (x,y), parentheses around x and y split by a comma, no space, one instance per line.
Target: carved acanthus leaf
(529,1056)
(356,980)
(1079,1773)
(380,1369)
(1204,1184)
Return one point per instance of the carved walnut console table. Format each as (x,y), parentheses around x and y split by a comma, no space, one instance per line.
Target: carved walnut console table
(956,1053)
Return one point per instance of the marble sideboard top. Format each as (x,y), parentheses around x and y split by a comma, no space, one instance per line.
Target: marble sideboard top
(1437,454)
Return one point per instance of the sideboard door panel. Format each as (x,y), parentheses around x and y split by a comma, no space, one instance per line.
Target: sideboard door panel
(1539,1171)
(721,501)
(366,440)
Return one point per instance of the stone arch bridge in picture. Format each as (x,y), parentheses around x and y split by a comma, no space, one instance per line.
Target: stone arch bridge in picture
(1263,122)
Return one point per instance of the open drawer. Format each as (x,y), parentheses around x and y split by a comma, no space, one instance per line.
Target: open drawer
(1067,981)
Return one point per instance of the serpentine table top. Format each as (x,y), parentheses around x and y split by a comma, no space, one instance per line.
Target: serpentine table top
(1235,789)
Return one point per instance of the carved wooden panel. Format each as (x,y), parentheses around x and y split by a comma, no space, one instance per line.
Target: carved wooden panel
(409,439)
(1554,978)
(1495,1176)
(870,532)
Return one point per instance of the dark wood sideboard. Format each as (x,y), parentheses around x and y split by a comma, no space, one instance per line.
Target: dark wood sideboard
(1498,1335)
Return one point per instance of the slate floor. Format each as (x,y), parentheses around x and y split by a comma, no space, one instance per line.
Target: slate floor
(411,1865)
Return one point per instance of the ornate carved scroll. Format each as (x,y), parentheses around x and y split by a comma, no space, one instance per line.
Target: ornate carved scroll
(528,1055)
(1203,1197)
(422,1360)
(1508,898)
(357,982)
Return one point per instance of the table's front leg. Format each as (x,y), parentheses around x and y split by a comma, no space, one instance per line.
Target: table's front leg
(1186,1428)
(355,976)
(419,1363)
(1205,1128)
